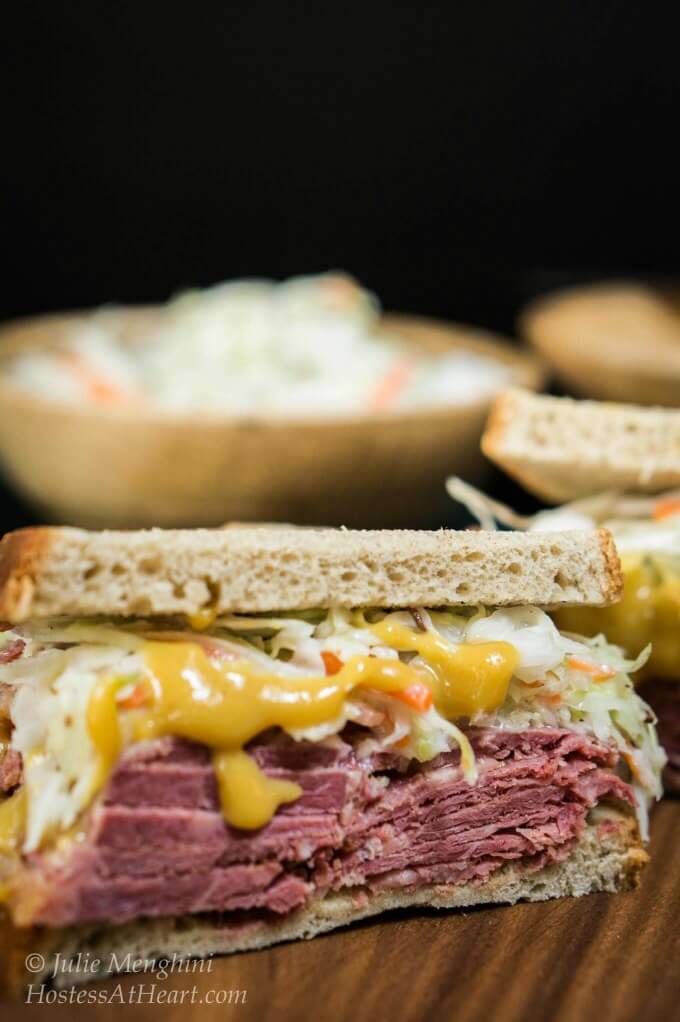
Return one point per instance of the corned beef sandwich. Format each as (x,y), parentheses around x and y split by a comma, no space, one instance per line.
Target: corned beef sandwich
(216,740)
(602,458)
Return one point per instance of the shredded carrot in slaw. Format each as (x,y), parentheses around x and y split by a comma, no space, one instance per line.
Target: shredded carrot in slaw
(633,766)
(137,697)
(599,672)
(389,388)
(418,697)
(665,508)
(331,662)
(97,387)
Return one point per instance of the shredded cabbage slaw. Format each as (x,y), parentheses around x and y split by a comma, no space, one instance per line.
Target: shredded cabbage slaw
(562,680)
(639,524)
(308,346)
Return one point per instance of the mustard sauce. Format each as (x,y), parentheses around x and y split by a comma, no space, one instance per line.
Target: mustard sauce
(248,797)
(467,679)
(202,619)
(223,704)
(12,827)
(104,728)
(12,819)
(649,611)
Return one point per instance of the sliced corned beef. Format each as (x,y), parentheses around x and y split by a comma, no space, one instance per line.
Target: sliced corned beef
(11,769)
(156,843)
(12,651)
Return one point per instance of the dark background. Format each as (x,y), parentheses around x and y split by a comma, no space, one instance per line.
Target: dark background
(457,158)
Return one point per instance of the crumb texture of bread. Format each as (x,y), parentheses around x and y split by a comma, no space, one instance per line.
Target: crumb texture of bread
(608,857)
(61,571)
(561,449)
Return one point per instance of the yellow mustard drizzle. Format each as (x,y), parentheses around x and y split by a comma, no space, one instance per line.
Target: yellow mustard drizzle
(12,828)
(12,819)
(649,611)
(225,704)
(202,619)
(467,679)
(104,727)
(248,797)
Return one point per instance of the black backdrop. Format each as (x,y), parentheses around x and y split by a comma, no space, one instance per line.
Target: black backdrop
(457,157)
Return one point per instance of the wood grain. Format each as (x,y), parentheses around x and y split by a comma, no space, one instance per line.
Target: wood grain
(614,957)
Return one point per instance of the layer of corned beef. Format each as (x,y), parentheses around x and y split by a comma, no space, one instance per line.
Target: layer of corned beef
(156,843)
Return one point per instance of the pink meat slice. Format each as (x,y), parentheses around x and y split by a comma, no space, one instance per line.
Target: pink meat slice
(156,843)
(11,770)
(12,651)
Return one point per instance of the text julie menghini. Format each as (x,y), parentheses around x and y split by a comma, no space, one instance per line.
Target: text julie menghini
(82,966)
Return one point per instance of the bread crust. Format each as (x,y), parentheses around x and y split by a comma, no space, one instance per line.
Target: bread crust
(21,554)
(613,573)
(57,571)
(497,422)
(609,856)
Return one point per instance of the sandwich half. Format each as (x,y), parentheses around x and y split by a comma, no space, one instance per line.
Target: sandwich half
(217,740)
(618,466)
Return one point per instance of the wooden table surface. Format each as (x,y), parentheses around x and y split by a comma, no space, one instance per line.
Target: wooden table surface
(608,957)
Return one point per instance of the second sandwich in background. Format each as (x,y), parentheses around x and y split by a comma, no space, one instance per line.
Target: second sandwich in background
(614,465)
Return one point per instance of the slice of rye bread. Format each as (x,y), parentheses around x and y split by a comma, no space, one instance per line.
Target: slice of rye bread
(54,571)
(609,856)
(561,449)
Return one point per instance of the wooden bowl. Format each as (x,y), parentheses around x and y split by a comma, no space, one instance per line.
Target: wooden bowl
(82,465)
(613,342)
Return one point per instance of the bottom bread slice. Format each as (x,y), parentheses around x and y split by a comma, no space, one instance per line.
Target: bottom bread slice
(608,857)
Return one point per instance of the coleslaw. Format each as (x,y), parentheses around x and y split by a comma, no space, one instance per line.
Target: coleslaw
(307,346)
(561,680)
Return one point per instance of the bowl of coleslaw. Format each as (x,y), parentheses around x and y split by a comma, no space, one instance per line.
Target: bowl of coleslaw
(251,400)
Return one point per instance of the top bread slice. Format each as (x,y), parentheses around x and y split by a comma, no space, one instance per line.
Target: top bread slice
(561,449)
(249,569)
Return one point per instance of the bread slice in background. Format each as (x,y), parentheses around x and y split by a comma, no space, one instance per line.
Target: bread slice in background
(610,341)
(561,449)
(54,571)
